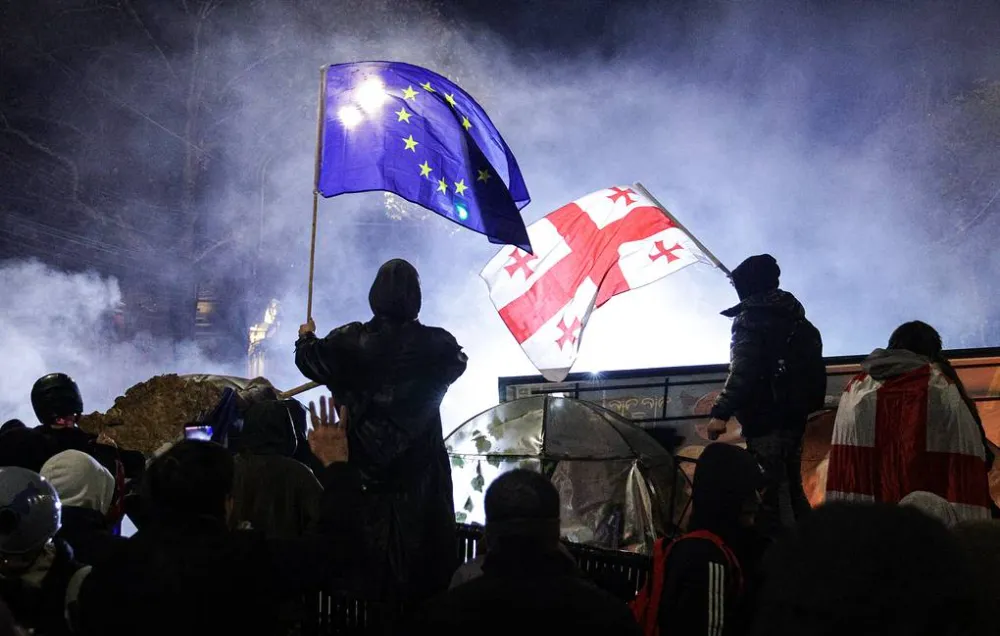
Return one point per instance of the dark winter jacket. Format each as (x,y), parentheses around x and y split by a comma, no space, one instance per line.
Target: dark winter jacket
(762,324)
(274,493)
(527,592)
(38,599)
(194,576)
(89,533)
(703,592)
(31,447)
(392,373)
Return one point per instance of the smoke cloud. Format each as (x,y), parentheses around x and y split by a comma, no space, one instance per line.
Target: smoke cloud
(763,131)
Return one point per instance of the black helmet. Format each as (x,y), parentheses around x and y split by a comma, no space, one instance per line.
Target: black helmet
(55,395)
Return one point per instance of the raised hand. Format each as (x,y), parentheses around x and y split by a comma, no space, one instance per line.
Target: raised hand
(328,439)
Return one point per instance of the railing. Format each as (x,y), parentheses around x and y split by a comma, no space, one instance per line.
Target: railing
(619,573)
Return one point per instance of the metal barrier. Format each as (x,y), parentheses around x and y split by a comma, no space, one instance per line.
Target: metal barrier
(619,573)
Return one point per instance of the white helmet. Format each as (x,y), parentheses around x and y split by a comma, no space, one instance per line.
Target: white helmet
(30,511)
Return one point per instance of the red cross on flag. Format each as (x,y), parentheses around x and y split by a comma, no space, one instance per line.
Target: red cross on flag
(599,246)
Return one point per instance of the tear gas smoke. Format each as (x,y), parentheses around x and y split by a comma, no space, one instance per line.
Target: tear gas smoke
(759,133)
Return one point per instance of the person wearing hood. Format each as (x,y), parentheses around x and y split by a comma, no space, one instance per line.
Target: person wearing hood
(87,491)
(709,576)
(391,374)
(776,379)
(272,492)
(905,424)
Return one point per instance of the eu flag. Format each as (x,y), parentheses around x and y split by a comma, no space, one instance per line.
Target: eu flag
(401,128)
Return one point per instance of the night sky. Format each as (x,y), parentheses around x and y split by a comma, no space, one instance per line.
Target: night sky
(155,150)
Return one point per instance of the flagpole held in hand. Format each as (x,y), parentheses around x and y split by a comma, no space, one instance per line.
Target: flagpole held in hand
(320,112)
(642,190)
(302,388)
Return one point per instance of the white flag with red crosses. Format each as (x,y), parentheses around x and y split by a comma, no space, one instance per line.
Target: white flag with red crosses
(585,253)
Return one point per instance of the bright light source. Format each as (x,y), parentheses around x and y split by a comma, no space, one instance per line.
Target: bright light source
(350,116)
(371,95)
(463,214)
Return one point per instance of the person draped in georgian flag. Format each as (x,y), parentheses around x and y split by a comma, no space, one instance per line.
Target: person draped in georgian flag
(585,253)
(906,424)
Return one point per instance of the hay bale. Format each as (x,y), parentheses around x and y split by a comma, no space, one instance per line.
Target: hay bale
(154,412)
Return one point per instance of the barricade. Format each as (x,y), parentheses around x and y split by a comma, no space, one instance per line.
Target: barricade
(619,573)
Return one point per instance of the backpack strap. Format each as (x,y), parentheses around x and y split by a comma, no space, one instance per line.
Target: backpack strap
(731,560)
(646,606)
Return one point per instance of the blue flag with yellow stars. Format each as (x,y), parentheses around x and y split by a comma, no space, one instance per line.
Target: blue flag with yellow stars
(401,128)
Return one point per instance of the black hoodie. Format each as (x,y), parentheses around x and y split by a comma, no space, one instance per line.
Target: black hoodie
(392,373)
(274,493)
(700,591)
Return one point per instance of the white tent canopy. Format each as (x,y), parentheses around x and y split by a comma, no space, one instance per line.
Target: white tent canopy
(616,483)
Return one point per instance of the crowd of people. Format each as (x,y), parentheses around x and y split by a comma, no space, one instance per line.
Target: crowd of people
(235,538)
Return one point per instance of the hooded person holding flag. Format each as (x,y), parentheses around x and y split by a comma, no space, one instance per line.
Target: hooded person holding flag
(391,374)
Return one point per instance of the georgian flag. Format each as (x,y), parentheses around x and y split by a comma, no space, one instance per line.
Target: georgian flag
(585,253)
(909,433)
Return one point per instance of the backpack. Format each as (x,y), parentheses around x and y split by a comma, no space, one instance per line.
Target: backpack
(646,605)
(799,380)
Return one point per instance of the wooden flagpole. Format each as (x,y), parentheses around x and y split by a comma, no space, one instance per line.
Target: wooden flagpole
(642,190)
(320,115)
(302,388)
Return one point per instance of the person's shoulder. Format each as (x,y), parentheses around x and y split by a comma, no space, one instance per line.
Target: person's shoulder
(693,552)
(437,335)
(351,329)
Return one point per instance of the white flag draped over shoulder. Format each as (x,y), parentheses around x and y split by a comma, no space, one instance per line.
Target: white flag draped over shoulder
(585,253)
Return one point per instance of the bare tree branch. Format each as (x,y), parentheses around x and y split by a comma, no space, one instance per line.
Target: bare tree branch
(70,165)
(93,9)
(142,25)
(211,248)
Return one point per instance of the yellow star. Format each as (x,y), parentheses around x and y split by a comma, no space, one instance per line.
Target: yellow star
(411,144)
(466,124)
(442,186)
(427,87)
(460,187)
(425,170)
(409,93)
(403,114)
(450,98)
(484,176)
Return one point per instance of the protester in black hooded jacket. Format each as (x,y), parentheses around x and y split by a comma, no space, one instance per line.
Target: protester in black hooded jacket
(391,373)
(762,324)
(272,492)
(704,591)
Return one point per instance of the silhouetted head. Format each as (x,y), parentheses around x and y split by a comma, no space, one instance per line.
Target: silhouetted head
(867,569)
(12,425)
(192,479)
(917,337)
(395,294)
(268,429)
(522,506)
(933,506)
(756,275)
(724,495)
